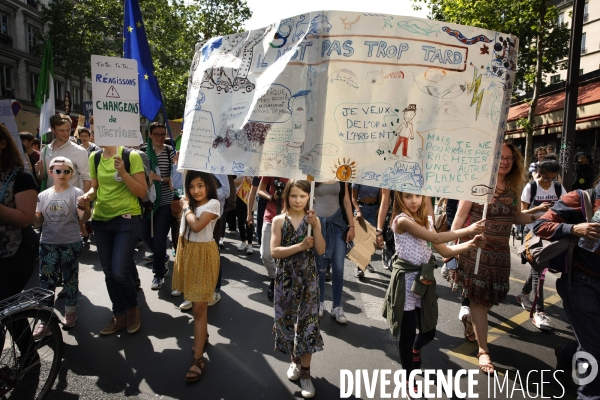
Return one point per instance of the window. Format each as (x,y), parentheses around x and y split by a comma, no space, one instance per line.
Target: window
(6,81)
(585,12)
(561,19)
(75,99)
(583,49)
(554,79)
(58,91)
(4,23)
(33,82)
(32,36)
(581,71)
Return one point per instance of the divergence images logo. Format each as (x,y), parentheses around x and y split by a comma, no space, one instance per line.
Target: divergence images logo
(584,362)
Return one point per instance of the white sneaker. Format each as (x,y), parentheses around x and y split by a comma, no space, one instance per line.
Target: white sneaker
(215,300)
(464,310)
(541,320)
(293,372)
(321,309)
(186,305)
(176,293)
(524,301)
(308,390)
(243,246)
(249,250)
(338,314)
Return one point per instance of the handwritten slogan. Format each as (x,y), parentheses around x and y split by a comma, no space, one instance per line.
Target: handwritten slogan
(115,101)
(381,100)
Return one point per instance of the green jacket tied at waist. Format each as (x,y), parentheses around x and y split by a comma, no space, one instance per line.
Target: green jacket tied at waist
(393,305)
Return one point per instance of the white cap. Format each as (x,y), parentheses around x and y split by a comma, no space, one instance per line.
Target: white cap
(61,161)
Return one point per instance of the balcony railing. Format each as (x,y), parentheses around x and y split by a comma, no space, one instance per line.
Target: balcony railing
(585,17)
(6,40)
(583,50)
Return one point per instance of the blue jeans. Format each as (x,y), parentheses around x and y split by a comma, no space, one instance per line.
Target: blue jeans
(158,243)
(337,269)
(581,301)
(116,240)
(369,213)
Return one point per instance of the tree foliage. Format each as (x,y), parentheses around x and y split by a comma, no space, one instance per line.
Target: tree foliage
(541,41)
(173,27)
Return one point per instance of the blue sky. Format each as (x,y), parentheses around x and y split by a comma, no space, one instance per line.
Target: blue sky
(265,12)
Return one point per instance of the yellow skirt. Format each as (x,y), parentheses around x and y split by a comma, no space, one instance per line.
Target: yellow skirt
(196,269)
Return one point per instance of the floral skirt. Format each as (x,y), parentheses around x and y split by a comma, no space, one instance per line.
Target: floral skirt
(196,269)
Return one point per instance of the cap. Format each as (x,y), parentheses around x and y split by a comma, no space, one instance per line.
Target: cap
(61,161)
(411,107)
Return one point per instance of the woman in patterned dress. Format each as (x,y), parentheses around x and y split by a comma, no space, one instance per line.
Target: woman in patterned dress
(490,285)
(296,303)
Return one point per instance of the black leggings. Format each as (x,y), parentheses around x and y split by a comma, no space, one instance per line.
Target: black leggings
(16,271)
(241,211)
(409,339)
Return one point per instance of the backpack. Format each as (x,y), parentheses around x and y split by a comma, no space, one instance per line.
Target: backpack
(441,220)
(555,255)
(147,202)
(557,190)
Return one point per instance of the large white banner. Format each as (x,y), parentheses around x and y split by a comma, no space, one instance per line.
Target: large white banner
(382,100)
(116,101)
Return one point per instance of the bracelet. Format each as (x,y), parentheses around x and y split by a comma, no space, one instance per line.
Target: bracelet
(379,230)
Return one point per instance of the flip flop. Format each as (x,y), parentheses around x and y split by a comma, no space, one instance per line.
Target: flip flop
(469,331)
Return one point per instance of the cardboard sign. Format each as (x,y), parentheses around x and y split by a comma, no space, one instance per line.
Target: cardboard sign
(116,101)
(365,243)
(389,101)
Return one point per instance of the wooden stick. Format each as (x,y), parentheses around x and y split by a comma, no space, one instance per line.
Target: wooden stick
(485,209)
(311,200)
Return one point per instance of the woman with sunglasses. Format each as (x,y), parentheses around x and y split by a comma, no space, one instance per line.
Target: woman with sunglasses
(60,243)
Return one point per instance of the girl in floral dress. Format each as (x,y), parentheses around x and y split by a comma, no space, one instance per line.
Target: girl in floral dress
(296,302)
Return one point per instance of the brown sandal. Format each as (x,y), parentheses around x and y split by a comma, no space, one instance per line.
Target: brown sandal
(205,342)
(486,368)
(469,331)
(195,375)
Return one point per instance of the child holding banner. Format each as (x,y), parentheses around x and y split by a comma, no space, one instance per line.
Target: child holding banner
(411,302)
(296,282)
(197,259)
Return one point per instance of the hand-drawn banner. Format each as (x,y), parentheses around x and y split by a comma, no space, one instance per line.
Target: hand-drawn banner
(382,100)
(116,101)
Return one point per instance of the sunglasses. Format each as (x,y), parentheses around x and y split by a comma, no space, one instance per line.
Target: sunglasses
(60,171)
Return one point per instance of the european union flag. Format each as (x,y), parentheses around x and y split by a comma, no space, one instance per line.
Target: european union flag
(135,46)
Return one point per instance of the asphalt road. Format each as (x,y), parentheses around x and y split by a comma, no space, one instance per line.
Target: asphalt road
(241,362)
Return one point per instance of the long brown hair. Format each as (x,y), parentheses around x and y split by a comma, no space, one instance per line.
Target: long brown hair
(515,179)
(9,156)
(421,217)
(300,184)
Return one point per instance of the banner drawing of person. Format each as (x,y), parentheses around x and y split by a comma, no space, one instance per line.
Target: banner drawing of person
(405,131)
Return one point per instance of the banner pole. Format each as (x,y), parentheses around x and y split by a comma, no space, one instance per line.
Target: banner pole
(311,200)
(485,209)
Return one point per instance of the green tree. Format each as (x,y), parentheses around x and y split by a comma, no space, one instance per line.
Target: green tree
(541,41)
(81,28)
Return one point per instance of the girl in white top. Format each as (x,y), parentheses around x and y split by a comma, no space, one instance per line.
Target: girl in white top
(413,229)
(197,259)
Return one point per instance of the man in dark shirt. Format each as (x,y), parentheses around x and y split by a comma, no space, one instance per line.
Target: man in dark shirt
(579,288)
(27,139)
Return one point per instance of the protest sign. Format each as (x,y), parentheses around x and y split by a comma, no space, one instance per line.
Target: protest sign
(365,243)
(116,101)
(7,118)
(88,111)
(381,100)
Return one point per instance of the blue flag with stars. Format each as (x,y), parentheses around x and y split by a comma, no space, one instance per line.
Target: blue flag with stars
(135,46)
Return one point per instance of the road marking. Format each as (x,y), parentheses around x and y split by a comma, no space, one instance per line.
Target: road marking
(465,350)
(522,281)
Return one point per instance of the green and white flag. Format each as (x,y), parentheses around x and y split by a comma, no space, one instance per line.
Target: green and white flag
(44,94)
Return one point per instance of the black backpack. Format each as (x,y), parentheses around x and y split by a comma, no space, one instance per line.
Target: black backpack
(557,190)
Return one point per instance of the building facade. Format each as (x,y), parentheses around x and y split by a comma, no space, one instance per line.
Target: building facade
(21,58)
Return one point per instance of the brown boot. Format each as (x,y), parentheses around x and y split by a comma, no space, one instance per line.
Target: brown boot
(133,319)
(117,323)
